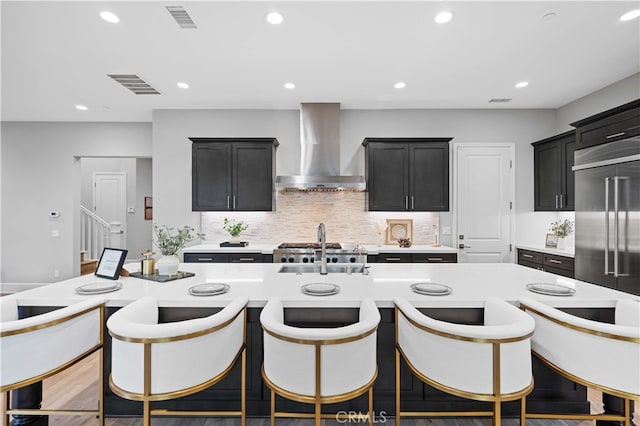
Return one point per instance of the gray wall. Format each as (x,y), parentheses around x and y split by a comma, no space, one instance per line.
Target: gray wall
(41,172)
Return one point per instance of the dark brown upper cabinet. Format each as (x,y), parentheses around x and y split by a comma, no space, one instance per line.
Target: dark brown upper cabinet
(407,174)
(232,174)
(614,124)
(554,183)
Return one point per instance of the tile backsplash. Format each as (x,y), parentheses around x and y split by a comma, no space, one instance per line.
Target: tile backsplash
(298,214)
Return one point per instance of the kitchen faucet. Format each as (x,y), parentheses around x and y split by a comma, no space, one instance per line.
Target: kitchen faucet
(322,239)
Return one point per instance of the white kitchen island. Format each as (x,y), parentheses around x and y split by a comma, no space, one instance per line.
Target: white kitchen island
(471,284)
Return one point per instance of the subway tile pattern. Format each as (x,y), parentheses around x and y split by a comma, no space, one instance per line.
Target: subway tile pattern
(298,214)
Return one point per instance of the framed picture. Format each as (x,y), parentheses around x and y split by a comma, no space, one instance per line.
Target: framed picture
(551,241)
(148,208)
(399,228)
(110,263)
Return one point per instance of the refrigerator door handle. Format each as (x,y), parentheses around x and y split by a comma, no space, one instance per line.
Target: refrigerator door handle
(616,251)
(606,226)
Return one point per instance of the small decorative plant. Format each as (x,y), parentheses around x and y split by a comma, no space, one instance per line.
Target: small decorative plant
(233,227)
(562,228)
(170,240)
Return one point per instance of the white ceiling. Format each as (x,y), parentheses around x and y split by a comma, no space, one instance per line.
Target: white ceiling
(57,54)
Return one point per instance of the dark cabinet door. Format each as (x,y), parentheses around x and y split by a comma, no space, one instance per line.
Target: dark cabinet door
(211,177)
(429,177)
(388,182)
(554,182)
(407,174)
(547,175)
(252,177)
(232,174)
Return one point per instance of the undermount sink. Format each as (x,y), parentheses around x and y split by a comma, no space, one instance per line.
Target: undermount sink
(311,269)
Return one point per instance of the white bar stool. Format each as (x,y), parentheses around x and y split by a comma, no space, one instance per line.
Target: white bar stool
(582,350)
(41,346)
(490,362)
(319,365)
(157,362)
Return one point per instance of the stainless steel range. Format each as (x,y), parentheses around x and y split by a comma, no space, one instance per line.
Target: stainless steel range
(311,252)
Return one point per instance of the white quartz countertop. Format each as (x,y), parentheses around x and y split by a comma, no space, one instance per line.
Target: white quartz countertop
(471,283)
(211,247)
(569,252)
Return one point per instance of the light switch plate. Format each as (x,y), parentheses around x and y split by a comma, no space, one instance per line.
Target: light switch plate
(131,209)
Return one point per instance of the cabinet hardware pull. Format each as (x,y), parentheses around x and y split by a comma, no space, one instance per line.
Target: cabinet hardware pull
(555,261)
(234,202)
(413,204)
(606,226)
(615,135)
(561,200)
(247,259)
(528,256)
(228,205)
(393,258)
(616,252)
(201,259)
(434,258)
(556,201)
(406,202)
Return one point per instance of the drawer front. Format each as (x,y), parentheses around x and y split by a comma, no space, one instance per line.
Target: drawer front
(531,265)
(205,258)
(434,258)
(558,262)
(245,258)
(529,256)
(619,126)
(394,258)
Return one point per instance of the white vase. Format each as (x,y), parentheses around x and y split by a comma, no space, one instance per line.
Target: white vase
(234,239)
(168,265)
(562,243)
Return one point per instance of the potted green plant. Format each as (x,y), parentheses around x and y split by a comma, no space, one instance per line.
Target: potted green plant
(234,228)
(169,241)
(562,229)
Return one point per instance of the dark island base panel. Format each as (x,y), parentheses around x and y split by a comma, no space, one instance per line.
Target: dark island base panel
(552,393)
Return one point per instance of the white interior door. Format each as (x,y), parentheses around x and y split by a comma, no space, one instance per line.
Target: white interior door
(109,202)
(484,193)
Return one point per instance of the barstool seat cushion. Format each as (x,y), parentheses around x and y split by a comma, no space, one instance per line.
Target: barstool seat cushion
(345,366)
(466,365)
(608,362)
(175,364)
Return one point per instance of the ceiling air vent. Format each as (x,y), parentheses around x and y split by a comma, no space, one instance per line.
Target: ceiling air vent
(134,83)
(181,16)
(499,100)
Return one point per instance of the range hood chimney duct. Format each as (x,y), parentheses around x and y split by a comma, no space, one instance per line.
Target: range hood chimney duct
(320,153)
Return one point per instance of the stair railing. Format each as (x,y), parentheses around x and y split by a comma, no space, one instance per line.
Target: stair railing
(94,233)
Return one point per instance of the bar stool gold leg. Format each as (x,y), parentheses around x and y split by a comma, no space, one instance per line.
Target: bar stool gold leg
(371,413)
(397,387)
(496,413)
(273,408)
(523,411)
(7,406)
(147,413)
(627,412)
(243,397)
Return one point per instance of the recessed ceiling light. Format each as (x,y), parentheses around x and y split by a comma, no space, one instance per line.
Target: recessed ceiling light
(182,85)
(630,15)
(443,17)
(522,84)
(289,86)
(274,18)
(110,17)
(400,85)
(81,107)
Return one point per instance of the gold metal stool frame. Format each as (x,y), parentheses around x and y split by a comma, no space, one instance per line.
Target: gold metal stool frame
(627,397)
(496,397)
(317,399)
(147,397)
(6,390)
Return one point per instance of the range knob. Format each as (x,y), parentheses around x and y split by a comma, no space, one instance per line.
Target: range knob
(352,259)
(291,260)
(305,260)
(334,260)
(312,259)
(283,259)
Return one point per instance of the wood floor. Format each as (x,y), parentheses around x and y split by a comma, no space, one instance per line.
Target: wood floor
(76,388)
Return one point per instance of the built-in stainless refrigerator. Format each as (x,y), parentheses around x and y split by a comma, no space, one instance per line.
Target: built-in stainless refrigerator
(607,179)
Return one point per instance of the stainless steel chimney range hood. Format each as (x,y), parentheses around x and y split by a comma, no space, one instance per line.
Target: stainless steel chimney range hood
(320,153)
